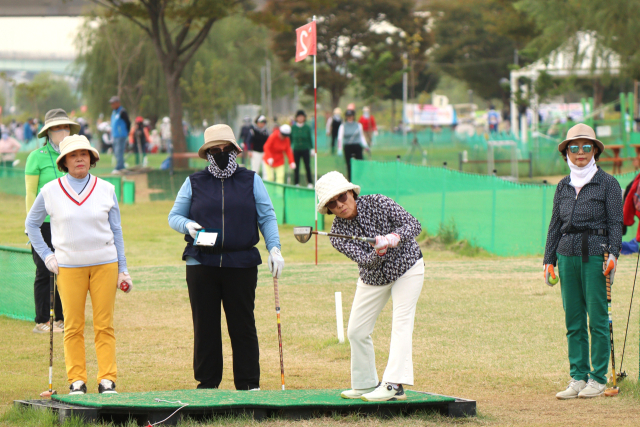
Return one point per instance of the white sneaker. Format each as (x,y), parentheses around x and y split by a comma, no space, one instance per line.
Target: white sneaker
(78,387)
(385,392)
(593,389)
(309,185)
(356,393)
(116,172)
(107,387)
(42,328)
(572,390)
(58,324)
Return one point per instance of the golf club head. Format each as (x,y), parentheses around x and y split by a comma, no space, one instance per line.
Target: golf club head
(48,394)
(612,391)
(302,234)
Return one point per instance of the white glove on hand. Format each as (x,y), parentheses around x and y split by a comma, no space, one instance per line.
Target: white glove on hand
(381,245)
(125,284)
(292,166)
(312,152)
(275,262)
(609,267)
(270,162)
(393,240)
(193,228)
(52,263)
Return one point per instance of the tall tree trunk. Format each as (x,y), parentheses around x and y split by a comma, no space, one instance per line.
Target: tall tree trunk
(178,138)
(336,94)
(598,93)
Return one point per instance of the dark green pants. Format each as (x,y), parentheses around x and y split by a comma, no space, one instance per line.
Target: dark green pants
(584,292)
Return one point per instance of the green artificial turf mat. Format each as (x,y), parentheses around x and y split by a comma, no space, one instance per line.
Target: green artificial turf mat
(212,398)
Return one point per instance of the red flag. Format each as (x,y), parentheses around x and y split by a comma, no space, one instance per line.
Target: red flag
(306,41)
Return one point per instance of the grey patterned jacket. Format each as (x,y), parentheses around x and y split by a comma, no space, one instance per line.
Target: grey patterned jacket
(378,215)
(597,206)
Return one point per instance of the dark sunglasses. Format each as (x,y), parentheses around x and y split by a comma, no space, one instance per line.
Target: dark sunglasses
(227,149)
(575,148)
(341,198)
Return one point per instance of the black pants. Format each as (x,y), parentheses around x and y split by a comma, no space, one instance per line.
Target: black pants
(304,155)
(42,284)
(333,143)
(235,288)
(352,151)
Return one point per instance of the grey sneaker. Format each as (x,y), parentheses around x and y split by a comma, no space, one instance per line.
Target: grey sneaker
(593,389)
(58,324)
(43,328)
(572,391)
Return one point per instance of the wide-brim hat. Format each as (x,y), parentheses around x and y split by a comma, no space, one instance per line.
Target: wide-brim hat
(57,117)
(217,135)
(74,143)
(330,185)
(581,131)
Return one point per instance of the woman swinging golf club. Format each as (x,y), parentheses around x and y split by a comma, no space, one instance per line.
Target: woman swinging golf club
(586,223)
(88,257)
(390,267)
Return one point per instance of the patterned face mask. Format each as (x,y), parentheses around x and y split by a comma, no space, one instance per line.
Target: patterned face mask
(228,170)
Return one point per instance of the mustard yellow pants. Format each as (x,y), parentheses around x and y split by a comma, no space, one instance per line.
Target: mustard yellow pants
(273,174)
(73,284)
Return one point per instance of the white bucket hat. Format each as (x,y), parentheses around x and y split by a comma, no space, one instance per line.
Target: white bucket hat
(73,143)
(330,185)
(217,135)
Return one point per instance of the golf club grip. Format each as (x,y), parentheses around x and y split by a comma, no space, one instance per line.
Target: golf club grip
(277,294)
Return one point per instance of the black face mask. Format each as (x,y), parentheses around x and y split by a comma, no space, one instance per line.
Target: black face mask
(222,159)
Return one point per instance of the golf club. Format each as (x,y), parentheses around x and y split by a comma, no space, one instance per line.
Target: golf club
(303,234)
(612,391)
(277,295)
(52,293)
(622,374)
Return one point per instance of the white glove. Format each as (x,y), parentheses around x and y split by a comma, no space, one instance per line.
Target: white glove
(312,152)
(381,245)
(609,267)
(375,133)
(393,240)
(292,166)
(125,284)
(52,263)
(270,161)
(193,228)
(275,262)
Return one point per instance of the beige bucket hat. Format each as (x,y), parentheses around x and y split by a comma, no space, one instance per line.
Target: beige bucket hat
(581,131)
(217,135)
(330,185)
(57,117)
(73,143)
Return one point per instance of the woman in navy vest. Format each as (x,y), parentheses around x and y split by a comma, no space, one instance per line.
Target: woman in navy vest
(232,201)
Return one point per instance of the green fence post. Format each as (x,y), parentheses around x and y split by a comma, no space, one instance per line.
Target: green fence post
(493,217)
(591,119)
(128,192)
(623,118)
(583,101)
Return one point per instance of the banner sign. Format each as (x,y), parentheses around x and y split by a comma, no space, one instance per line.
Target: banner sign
(430,115)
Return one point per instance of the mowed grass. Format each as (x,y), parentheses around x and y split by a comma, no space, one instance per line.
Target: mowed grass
(487,328)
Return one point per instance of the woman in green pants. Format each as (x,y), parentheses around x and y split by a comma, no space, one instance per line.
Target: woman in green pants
(586,223)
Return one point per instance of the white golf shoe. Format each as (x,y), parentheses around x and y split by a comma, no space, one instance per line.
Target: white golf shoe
(385,392)
(78,387)
(572,391)
(356,393)
(593,389)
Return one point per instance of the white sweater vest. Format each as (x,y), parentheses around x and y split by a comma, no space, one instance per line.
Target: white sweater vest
(80,229)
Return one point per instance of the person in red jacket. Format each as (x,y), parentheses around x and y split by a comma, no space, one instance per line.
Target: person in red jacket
(278,144)
(368,123)
(629,212)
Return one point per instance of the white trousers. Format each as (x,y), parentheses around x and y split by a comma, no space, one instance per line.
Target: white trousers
(256,161)
(367,305)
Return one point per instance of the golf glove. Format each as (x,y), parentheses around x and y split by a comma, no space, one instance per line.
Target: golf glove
(52,263)
(292,166)
(312,152)
(381,245)
(193,228)
(610,266)
(393,240)
(270,162)
(275,262)
(550,277)
(125,284)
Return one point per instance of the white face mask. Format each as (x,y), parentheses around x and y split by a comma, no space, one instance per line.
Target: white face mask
(56,136)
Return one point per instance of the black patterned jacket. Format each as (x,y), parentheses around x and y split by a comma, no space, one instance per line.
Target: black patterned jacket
(378,215)
(597,206)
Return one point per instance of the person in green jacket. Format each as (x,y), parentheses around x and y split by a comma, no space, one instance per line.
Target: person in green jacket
(40,169)
(302,145)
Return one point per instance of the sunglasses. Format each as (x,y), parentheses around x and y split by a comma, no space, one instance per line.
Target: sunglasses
(341,198)
(226,149)
(575,148)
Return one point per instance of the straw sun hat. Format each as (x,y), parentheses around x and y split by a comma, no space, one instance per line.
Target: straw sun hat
(217,135)
(580,131)
(57,117)
(73,143)
(329,186)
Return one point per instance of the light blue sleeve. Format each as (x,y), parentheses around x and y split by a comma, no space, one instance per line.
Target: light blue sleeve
(116,228)
(35,218)
(179,215)
(267,221)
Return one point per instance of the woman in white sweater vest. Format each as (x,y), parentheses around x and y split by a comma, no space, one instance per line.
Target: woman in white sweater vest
(89,257)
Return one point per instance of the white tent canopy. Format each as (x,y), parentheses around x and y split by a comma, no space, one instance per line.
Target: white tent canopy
(582,56)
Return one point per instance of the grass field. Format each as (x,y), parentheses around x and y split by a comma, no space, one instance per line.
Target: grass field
(487,328)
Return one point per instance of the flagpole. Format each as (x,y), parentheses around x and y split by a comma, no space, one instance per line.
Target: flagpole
(315,139)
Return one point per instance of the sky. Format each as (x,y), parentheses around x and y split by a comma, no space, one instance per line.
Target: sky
(39,35)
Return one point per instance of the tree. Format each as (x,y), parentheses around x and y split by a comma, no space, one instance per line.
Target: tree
(347,31)
(177,29)
(44,93)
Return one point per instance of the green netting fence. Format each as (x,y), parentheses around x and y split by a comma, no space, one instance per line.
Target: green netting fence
(16,281)
(502,217)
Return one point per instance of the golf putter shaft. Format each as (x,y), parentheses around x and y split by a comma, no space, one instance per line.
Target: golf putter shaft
(342,236)
(277,297)
(613,391)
